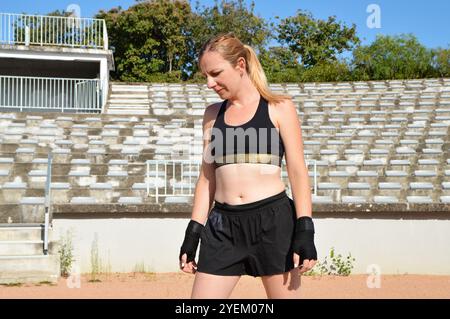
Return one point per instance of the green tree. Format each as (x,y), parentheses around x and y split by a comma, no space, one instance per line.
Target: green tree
(149,40)
(441,61)
(333,71)
(280,64)
(315,40)
(393,57)
(226,16)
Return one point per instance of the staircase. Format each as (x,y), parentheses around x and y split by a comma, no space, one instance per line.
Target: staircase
(128,100)
(22,257)
(25,229)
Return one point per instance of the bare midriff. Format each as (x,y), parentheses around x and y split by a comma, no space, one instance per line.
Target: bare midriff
(244,183)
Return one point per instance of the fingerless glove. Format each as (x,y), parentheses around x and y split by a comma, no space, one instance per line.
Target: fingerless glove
(191,240)
(303,243)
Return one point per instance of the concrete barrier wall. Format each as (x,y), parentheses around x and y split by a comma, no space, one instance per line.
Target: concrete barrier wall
(391,246)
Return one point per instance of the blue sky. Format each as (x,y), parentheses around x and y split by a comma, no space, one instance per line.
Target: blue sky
(428,20)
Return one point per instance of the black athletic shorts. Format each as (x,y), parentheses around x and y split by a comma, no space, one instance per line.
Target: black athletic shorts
(249,239)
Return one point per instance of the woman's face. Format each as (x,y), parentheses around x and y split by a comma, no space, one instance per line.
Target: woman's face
(220,75)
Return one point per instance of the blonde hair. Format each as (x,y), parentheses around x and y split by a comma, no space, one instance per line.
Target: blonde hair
(231,49)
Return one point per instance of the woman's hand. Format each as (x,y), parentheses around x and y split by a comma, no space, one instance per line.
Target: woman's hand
(190,267)
(189,247)
(305,254)
(307,265)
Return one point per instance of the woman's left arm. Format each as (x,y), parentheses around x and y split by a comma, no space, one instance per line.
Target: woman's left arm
(291,133)
(305,254)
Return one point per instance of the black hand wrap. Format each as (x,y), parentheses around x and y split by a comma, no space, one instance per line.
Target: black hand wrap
(191,239)
(303,243)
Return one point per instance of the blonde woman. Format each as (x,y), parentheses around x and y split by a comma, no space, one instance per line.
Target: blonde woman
(253,228)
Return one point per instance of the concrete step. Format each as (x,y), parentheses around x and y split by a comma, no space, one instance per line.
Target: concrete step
(128,89)
(129,106)
(20,214)
(132,96)
(21,233)
(132,101)
(25,248)
(124,111)
(33,269)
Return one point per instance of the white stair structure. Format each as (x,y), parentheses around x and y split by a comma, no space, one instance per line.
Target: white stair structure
(128,99)
(22,257)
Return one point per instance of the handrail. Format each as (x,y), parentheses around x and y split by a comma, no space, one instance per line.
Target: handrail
(28,29)
(48,207)
(163,162)
(47,93)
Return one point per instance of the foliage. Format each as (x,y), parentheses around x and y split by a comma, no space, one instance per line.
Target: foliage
(66,256)
(280,65)
(149,39)
(159,41)
(332,71)
(226,16)
(441,61)
(96,262)
(393,57)
(337,265)
(316,41)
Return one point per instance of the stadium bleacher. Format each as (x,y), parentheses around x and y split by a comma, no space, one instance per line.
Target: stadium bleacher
(363,136)
(374,144)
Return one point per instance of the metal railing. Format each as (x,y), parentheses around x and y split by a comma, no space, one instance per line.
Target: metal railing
(87,95)
(182,177)
(21,29)
(48,207)
(65,94)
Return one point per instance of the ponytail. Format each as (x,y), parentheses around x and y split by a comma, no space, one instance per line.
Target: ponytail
(258,77)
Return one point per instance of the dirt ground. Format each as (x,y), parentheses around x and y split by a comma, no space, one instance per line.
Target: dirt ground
(178,285)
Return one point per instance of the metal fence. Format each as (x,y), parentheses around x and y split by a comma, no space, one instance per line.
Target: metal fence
(40,93)
(175,177)
(170,177)
(21,29)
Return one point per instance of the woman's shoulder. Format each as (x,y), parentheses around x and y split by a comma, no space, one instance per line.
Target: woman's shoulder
(213,109)
(282,108)
(282,102)
(211,112)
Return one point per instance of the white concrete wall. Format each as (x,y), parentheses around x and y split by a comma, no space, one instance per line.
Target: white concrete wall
(394,246)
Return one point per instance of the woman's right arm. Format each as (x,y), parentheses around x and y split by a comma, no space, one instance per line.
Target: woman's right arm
(206,183)
(203,198)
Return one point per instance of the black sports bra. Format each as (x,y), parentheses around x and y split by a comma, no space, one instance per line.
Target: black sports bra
(257,141)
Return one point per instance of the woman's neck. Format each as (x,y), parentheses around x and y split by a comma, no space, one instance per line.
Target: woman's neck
(246,94)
